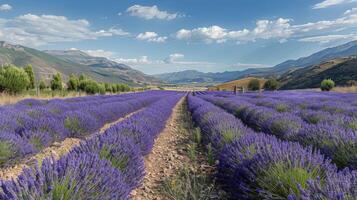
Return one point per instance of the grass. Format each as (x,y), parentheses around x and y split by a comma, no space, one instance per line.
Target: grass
(229,86)
(192,182)
(46,94)
(119,163)
(188,185)
(347,89)
(6,152)
(281,180)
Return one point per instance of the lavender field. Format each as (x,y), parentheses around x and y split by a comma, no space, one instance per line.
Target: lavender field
(271,145)
(281,145)
(102,166)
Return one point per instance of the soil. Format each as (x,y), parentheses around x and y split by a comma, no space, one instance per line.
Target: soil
(167,157)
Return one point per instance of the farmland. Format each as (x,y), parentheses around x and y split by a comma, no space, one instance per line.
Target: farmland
(270,145)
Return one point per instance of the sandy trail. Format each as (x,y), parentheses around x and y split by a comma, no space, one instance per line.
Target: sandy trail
(167,157)
(56,150)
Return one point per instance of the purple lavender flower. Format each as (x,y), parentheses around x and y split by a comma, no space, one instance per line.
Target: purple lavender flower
(75,176)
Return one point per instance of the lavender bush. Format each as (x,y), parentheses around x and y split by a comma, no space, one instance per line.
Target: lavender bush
(259,166)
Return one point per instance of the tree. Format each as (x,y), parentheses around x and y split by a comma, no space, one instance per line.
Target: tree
(13,79)
(42,85)
(108,87)
(73,83)
(327,85)
(254,84)
(29,71)
(56,82)
(271,84)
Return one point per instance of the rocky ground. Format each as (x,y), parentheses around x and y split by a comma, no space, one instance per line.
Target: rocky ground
(170,156)
(167,156)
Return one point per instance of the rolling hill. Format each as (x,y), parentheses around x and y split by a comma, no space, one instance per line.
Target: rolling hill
(46,63)
(229,86)
(345,50)
(341,70)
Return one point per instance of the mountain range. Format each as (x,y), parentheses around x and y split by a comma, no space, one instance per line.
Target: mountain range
(46,63)
(282,69)
(340,70)
(338,63)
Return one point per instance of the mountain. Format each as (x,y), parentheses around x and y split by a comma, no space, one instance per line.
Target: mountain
(341,70)
(194,76)
(345,50)
(111,70)
(46,63)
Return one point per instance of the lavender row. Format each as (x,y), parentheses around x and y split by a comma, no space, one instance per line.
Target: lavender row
(300,109)
(107,166)
(259,166)
(338,144)
(26,132)
(332,103)
(309,115)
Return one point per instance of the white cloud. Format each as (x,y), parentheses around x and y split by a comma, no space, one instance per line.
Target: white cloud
(174,57)
(328,3)
(36,30)
(141,60)
(151,37)
(280,29)
(265,29)
(5,7)
(330,38)
(151,12)
(100,53)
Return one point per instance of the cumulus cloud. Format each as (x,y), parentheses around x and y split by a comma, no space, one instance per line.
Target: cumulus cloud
(329,3)
(151,12)
(280,29)
(151,37)
(172,58)
(5,7)
(36,30)
(264,29)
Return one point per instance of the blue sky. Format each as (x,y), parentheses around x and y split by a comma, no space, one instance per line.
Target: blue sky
(167,36)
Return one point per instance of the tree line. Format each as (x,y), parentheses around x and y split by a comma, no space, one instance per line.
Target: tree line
(15,80)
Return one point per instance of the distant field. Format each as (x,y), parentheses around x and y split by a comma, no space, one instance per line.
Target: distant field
(229,86)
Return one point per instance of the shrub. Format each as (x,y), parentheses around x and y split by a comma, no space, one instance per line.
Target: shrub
(79,124)
(89,86)
(13,79)
(73,83)
(352,83)
(29,71)
(42,85)
(108,87)
(56,82)
(271,84)
(254,85)
(74,176)
(327,85)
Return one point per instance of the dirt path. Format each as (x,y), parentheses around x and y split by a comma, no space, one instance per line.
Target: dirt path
(167,157)
(56,150)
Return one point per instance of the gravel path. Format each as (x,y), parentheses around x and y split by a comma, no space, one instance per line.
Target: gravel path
(167,157)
